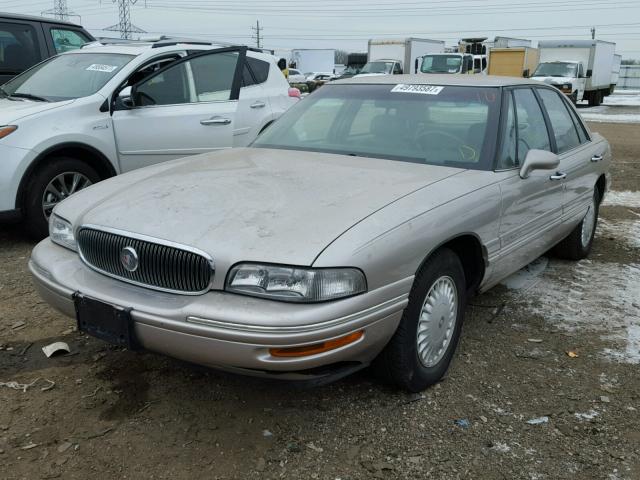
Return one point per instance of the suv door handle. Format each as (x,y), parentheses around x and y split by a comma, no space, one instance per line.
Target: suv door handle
(596,158)
(215,121)
(558,176)
(258,104)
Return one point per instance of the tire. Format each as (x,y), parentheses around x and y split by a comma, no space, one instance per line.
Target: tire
(577,246)
(35,216)
(400,362)
(574,98)
(595,98)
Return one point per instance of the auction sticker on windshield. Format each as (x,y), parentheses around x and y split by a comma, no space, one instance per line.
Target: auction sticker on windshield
(97,67)
(423,89)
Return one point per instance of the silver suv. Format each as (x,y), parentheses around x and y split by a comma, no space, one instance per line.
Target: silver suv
(87,115)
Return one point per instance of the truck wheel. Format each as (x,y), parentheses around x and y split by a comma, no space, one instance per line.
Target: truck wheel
(574,97)
(49,185)
(419,353)
(595,98)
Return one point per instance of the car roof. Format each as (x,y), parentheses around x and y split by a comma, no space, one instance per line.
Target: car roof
(435,79)
(33,18)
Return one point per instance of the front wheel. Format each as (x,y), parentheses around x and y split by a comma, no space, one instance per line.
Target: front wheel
(50,184)
(578,244)
(420,351)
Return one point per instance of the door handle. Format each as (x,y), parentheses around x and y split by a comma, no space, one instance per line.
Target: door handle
(558,176)
(215,121)
(258,104)
(596,158)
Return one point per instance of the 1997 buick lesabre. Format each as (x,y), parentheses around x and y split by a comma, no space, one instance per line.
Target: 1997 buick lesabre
(351,232)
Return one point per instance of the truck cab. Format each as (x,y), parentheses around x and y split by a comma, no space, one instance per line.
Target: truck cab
(567,76)
(381,67)
(447,63)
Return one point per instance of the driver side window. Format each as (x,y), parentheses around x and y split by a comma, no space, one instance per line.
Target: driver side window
(205,78)
(532,128)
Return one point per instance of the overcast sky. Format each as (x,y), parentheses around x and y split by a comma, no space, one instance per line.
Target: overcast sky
(347,24)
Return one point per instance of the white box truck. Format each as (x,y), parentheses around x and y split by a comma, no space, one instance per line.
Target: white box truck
(580,68)
(398,56)
(314,60)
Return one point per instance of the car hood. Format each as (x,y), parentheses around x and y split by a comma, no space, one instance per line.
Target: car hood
(279,206)
(14,110)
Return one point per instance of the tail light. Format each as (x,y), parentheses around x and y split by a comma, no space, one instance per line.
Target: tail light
(294,92)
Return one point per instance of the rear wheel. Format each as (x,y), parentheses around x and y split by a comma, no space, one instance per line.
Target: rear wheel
(49,185)
(578,244)
(595,98)
(420,351)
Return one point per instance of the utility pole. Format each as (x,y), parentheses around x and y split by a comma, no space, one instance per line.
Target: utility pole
(60,11)
(257,36)
(124,25)
(593,33)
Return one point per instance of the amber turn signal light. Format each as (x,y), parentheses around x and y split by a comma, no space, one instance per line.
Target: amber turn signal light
(6,130)
(315,348)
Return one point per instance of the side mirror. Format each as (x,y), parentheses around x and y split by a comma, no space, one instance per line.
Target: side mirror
(124,101)
(538,160)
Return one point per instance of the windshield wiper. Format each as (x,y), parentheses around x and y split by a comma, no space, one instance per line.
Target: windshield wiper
(29,97)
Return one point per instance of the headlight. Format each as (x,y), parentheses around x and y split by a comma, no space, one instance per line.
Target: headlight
(61,232)
(6,130)
(566,86)
(295,284)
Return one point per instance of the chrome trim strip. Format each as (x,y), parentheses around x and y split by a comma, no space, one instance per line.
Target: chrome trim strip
(402,299)
(147,238)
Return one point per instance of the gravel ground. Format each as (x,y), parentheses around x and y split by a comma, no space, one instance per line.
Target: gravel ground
(545,384)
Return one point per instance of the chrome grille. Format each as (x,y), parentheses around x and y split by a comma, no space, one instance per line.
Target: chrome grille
(162,267)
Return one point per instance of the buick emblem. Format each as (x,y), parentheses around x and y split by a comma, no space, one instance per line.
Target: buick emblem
(129,259)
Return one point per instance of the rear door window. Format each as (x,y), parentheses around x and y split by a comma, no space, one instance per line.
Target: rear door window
(563,127)
(19,47)
(65,40)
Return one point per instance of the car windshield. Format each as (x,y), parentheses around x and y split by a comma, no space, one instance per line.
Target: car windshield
(436,125)
(556,69)
(377,67)
(68,76)
(441,64)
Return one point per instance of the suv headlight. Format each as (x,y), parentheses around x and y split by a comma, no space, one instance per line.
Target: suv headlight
(295,284)
(61,232)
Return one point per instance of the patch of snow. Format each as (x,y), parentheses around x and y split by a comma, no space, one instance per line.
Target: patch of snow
(501,447)
(611,118)
(622,198)
(592,296)
(528,276)
(625,100)
(627,231)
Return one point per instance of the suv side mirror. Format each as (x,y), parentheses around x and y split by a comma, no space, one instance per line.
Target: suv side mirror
(124,101)
(538,160)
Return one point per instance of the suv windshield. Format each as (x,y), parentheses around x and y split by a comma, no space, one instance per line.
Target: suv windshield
(377,67)
(556,69)
(441,64)
(69,76)
(437,125)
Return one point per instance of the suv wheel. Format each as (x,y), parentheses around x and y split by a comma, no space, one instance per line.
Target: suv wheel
(49,185)
(419,353)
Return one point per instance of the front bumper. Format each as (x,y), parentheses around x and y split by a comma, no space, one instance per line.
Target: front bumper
(229,331)
(13,165)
